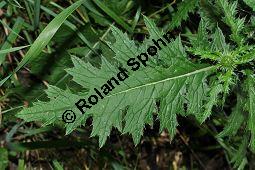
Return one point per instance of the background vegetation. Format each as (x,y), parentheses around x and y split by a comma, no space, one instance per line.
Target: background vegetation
(31,65)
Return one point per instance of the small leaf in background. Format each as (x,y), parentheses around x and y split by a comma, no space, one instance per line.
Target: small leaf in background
(57,165)
(10,50)
(250,3)
(113,15)
(21,165)
(3,158)
(184,8)
(11,38)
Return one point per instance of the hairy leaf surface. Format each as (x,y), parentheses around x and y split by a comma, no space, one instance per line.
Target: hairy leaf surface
(131,105)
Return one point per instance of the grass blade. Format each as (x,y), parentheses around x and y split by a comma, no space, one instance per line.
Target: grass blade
(37,13)
(136,19)
(21,165)
(2,4)
(10,50)
(61,8)
(70,25)
(112,14)
(45,37)
(15,3)
(11,30)
(11,38)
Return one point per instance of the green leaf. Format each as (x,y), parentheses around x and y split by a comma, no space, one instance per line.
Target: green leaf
(3,158)
(113,15)
(10,50)
(250,83)
(184,8)
(11,38)
(2,4)
(173,85)
(15,3)
(239,157)
(57,165)
(21,165)
(250,3)
(212,101)
(200,40)
(60,101)
(235,120)
(219,43)
(37,13)
(236,24)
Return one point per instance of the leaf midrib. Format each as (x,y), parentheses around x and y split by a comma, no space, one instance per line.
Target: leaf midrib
(164,80)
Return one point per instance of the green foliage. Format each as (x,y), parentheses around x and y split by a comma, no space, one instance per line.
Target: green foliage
(207,74)
(174,83)
(3,158)
(250,3)
(45,37)
(236,25)
(235,120)
(11,38)
(239,157)
(151,83)
(57,165)
(184,8)
(250,106)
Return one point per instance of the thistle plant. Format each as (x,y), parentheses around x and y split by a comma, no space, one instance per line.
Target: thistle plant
(194,78)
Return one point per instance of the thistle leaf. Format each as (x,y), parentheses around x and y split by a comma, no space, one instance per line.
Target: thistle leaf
(236,24)
(131,104)
(251,107)
(250,3)
(235,119)
(184,8)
